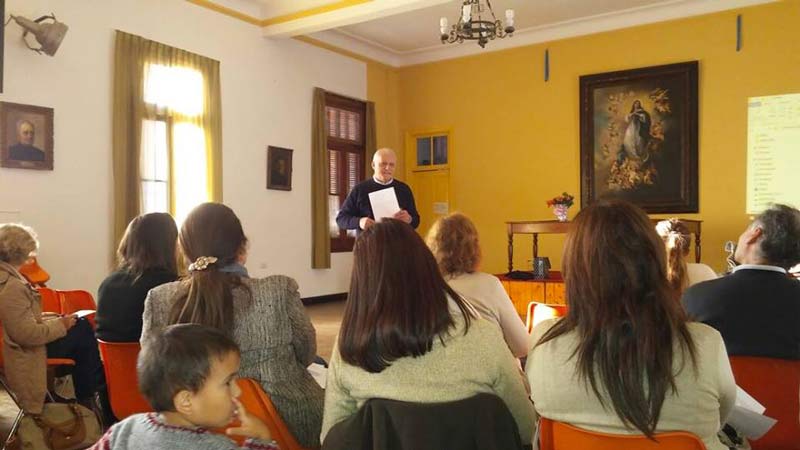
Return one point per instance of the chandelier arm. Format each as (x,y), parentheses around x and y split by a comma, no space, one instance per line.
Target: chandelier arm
(491,10)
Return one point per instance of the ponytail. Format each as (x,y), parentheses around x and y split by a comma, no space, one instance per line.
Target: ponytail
(206,298)
(677,270)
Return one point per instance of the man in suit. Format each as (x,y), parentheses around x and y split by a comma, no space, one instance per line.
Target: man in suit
(757,307)
(24,150)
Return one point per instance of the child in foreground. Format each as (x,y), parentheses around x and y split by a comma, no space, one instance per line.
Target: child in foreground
(188,374)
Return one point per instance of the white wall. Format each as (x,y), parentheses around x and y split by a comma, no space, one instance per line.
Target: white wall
(266,100)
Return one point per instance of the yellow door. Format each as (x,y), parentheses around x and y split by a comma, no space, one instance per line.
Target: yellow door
(432,194)
(427,159)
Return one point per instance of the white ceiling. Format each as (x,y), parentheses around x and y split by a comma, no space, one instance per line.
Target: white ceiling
(405,32)
(419,29)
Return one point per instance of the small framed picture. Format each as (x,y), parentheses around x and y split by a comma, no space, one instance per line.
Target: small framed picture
(26,136)
(279,168)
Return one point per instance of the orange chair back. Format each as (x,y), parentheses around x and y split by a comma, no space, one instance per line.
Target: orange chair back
(72,301)
(51,300)
(561,436)
(258,403)
(537,312)
(775,384)
(34,273)
(119,363)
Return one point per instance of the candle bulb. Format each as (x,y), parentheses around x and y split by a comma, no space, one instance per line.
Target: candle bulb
(443,25)
(466,13)
(510,17)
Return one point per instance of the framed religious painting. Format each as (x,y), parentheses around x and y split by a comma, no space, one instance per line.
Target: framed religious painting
(639,137)
(26,136)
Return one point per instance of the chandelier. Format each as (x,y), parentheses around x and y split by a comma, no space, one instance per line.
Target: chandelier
(477,23)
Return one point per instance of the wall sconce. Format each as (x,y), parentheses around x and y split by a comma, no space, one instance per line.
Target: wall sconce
(48,35)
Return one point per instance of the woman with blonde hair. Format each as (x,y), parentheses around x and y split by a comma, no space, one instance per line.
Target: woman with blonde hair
(454,243)
(264,316)
(633,362)
(677,239)
(31,337)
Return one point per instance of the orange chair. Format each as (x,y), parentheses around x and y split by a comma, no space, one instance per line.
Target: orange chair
(258,403)
(561,436)
(119,363)
(775,384)
(51,300)
(72,301)
(538,312)
(34,273)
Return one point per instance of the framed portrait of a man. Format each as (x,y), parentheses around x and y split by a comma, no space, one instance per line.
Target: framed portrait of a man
(279,168)
(26,136)
(639,137)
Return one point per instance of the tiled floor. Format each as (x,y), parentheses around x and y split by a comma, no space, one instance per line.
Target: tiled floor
(326,318)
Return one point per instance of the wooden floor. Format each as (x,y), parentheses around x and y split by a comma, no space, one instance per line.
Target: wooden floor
(326,318)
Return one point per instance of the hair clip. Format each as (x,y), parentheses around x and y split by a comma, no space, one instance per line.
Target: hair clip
(202,263)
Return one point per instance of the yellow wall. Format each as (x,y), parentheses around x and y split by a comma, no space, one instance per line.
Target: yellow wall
(516,138)
(382,88)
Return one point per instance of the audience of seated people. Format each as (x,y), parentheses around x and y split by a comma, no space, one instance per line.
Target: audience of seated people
(265,317)
(421,325)
(625,359)
(30,336)
(407,336)
(757,307)
(188,374)
(454,243)
(677,239)
(147,258)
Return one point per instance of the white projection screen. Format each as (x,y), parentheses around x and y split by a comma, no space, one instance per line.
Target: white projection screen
(773,151)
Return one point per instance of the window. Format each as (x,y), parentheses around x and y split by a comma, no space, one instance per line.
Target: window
(431,150)
(346,150)
(174,171)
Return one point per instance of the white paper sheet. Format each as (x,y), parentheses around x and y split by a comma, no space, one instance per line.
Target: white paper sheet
(84,312)
(319,373)
(750,423)
(747,416)
(384,203)
(747,401)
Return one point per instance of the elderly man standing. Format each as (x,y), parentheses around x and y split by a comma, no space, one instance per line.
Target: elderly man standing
(757,307)
(356,212)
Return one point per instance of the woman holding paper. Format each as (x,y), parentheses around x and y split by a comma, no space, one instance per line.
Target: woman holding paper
(639,366)
(31,337)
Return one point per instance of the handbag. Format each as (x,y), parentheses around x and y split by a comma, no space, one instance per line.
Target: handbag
(60,426)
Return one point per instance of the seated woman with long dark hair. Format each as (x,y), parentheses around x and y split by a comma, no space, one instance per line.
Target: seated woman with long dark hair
(147,259)
(406,335)
(264,316)
(625,359)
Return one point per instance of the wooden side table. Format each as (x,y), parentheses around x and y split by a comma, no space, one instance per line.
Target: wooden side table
(536,227)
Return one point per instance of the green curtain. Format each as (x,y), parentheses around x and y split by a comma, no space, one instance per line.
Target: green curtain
(370,146)
(320,235)
(131,57)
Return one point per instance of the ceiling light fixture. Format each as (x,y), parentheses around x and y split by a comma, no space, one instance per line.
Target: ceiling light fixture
(472,26)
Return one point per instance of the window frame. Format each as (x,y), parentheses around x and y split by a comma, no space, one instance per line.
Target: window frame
(344,242)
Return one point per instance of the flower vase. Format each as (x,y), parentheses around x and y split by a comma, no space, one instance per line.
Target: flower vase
(561,212)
